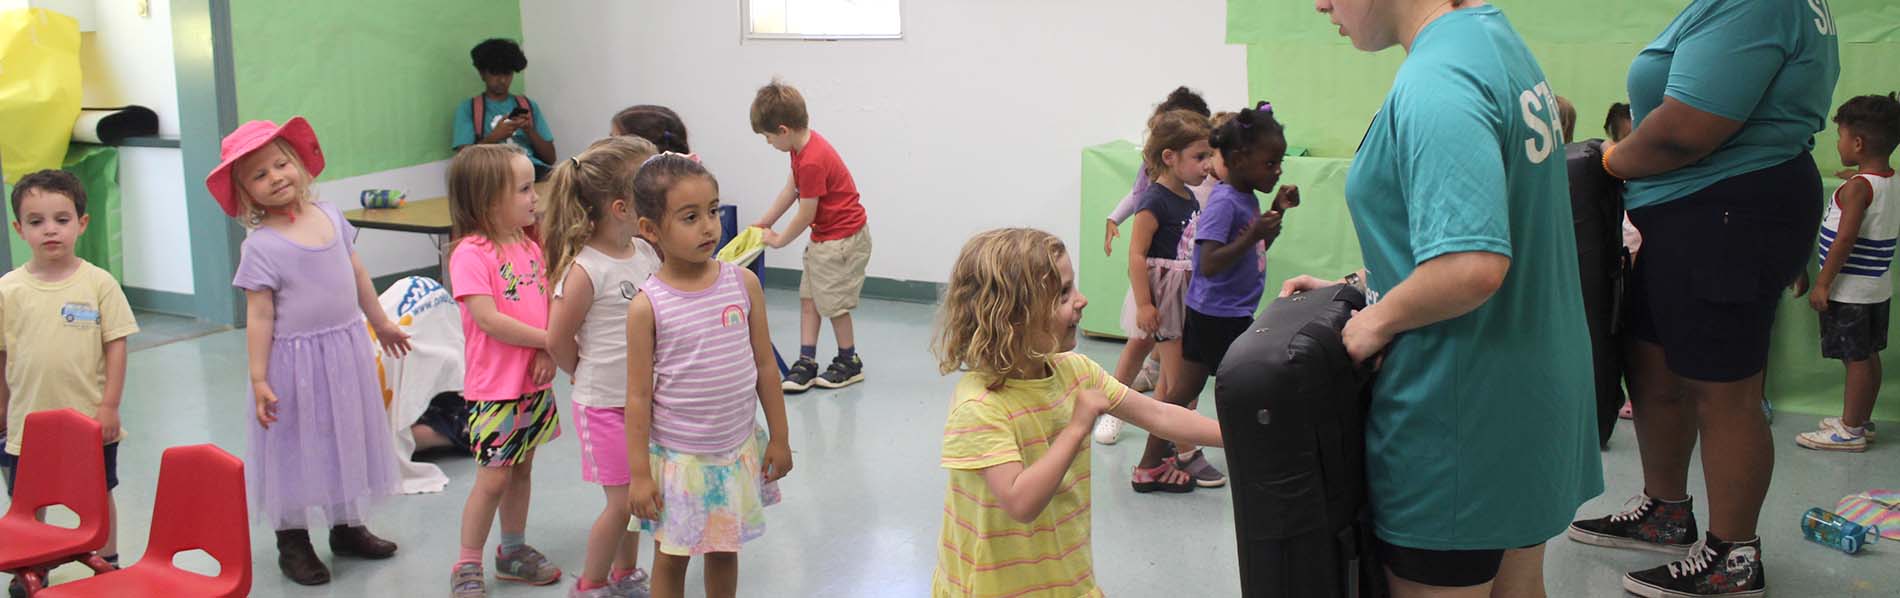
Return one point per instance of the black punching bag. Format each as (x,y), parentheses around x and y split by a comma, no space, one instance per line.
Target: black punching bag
(1596,205)
(1292,408)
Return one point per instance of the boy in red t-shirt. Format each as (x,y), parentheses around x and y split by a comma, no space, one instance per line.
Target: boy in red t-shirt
(840,244)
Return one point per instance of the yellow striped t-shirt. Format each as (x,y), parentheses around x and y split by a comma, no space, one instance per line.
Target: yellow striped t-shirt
(983,553)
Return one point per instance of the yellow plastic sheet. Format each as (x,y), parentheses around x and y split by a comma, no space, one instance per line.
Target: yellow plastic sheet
(39,89)
(744,247)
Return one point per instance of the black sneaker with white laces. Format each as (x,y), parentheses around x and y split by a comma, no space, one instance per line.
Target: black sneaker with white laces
(1713,568)
(1652,525)
(844,371)
(801,376)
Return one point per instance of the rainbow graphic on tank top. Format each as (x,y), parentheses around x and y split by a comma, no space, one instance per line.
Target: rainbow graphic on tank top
(732,316)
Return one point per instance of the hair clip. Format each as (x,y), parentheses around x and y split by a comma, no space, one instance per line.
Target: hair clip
(1246,117)
(650,159)
(576,160)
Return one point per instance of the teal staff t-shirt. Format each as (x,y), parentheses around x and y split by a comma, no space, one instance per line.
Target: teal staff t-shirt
(465,133)
(1770,64)
(1482,430)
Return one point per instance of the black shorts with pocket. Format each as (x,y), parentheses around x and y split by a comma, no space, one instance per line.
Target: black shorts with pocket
(1854,331)
(1205,338)
(1714,266)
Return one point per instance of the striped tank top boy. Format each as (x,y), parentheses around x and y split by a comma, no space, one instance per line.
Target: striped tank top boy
(1866,278)
(705,381)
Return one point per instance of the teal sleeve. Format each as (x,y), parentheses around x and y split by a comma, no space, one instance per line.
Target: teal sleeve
(1451,169)
(463,127)
(1725,63)
(540,120)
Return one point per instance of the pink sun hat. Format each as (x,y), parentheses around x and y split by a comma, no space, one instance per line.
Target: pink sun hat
(248,138)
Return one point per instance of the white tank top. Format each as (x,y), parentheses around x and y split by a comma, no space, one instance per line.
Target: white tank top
(1867,275)
(600,379)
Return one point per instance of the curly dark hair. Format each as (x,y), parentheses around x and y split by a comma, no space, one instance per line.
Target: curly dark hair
(1250,128)
(50,181)
(499,56)
(1183,98)
(1875,118)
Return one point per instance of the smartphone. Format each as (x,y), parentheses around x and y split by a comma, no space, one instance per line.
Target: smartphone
(518,112)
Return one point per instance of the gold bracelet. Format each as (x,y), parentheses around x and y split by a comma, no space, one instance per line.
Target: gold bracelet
(1606,164)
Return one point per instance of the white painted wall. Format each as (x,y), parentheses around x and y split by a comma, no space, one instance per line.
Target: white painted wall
(385,252)
(975,120)
(129,60)
(156,237)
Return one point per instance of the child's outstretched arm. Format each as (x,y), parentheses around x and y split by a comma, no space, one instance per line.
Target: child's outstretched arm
(1166,420)
(1026,491)
(779,204)
(566,311)
(807,211)
(778,450)
(388,334)
(643,494)
(260,313)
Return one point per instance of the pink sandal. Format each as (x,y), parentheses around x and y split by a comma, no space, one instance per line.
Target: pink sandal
(1164,478)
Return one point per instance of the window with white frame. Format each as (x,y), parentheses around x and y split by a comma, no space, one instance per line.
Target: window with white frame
(822,19)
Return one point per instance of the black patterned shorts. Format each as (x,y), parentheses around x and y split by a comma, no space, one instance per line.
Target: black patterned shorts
(505,433)
(1853,331)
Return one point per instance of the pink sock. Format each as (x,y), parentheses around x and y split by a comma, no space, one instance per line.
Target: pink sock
(619,574)
(585,585)
(469,555)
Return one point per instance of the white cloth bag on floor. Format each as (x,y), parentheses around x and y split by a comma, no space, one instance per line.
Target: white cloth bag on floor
(425,310)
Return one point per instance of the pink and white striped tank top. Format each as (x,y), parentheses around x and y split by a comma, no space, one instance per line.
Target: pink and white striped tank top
(705,381)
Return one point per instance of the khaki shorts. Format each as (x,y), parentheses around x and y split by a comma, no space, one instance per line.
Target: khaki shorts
(834,273)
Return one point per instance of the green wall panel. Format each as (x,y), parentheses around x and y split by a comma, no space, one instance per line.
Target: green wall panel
(378,80)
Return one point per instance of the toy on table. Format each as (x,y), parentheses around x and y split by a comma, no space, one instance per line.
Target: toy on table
(383,198)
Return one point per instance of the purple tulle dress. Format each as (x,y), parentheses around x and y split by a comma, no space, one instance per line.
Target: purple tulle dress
(330,457)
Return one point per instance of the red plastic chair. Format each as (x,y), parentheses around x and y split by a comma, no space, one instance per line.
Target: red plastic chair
(200,506)
(60,464)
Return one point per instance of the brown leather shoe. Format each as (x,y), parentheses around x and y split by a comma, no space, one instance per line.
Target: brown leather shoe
(298,559)
(356,541)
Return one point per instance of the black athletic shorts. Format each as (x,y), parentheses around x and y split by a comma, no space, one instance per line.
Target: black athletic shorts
(1715,264)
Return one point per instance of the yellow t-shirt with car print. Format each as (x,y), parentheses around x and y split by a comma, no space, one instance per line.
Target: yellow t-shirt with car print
(54,336)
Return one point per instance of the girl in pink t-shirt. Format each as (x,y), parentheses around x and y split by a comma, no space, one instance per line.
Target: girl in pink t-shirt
(700,368)
(496,274)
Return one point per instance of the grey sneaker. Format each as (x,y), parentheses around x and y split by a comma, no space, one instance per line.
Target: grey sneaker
(632,586)
(467,581)
(526,565)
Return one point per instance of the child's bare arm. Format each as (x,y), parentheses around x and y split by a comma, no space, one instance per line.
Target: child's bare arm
(780,204)
(1855,197)
(778,452)
(1026,491)
(393,340)
(643,497)
(566,311)
(1169,421)
(807,212)
(114,391)
(6,396)
(501,326)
